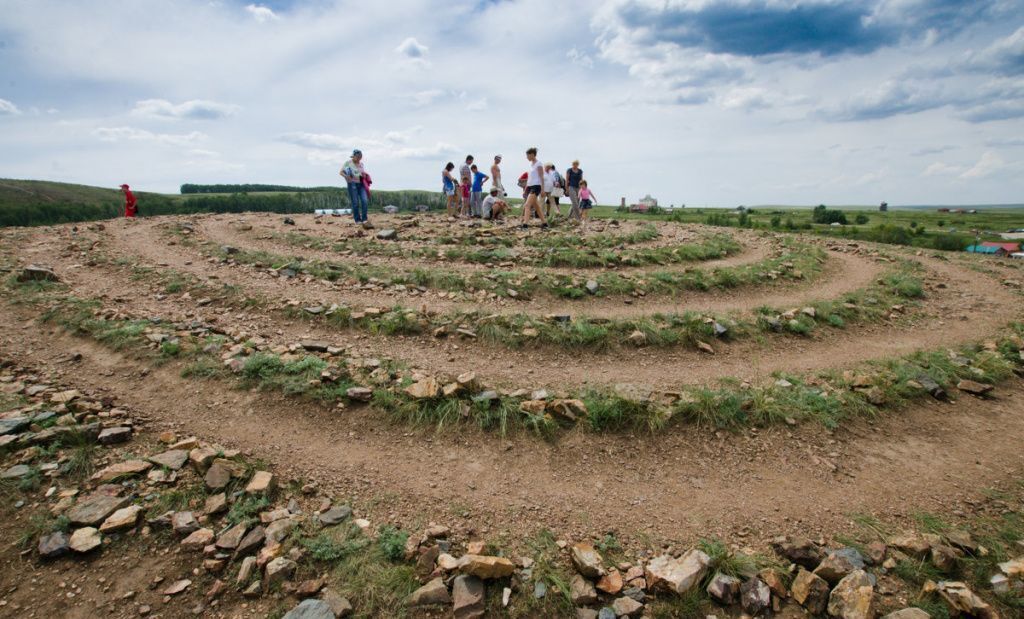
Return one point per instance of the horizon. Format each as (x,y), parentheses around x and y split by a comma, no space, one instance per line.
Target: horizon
(708,103)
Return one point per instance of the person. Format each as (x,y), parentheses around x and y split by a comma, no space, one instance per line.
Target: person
(535,193)
(493,207)
(587,199)
(496,176)
(573,176)
(466,178)
(353,172)
(448,184)
(479,178)
(131,205)
(552,182)
(464,189)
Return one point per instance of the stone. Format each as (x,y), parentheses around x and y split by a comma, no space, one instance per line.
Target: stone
(961,599)
(587,560)
(607,613)
(1013,569)
(53,545)
(277,531)
(627,607)
(251,542)
(434,592)
(853,597)
(217,477)
(677,575)
(121,520)
(245,571)
(810,591)
(359,394)
(637,338)
(974,387)
(278,571)
(13,425)
(912,545)
(592,286)
(184,523)
(876,552)
(198,539)
(388,234)
(335,515)
(468,597)
(426,560)
(610,583)
(339,604)
(310,609)
(933,388)
(908,613)
(229,540)
(588,613)
(112,436)
(944,557)
(288,221)
(775,582)
(705,348)
(215,504)
(486,567)
(36,273)
(120,470)
(424,389)
(755,596)
(309,588)
(172,459)
(582,591)
(85,539)
(201,457)
(16,472)
(177,587)
(838,563)
(801,551)
(262,482)
(95,509)
(570,410)
(724,589)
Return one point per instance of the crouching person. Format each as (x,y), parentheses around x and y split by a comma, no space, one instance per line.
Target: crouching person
(493,207)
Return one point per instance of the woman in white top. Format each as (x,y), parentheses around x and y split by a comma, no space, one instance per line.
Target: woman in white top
(552,186)
(534,189)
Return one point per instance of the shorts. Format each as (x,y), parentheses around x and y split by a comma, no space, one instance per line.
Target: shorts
(533,189)
(449,191)
(585,204)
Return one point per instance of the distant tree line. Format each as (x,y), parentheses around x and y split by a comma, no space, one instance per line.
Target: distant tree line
(40,213)
(247,188)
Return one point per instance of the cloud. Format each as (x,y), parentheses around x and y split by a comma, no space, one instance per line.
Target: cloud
(989,163)
(195,109)
(411,48)
(425,97)
(1005,56)
(940,168)
(261,13)
(325,147)
(118,134)
(580,58)
(8,109)
(992,101)
(478,105)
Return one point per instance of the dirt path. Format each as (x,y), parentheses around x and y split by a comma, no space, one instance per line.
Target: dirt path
(679,485)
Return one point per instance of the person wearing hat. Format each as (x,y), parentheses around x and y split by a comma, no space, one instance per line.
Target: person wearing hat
(353,172)
(131,206)
(493,207)
(496,177)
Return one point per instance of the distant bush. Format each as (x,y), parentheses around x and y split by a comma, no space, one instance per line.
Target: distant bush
(861,219)
(824,215)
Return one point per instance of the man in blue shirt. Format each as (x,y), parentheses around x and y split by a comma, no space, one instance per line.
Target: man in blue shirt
(477,198)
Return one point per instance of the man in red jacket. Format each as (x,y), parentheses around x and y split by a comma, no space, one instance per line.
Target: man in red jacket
(130,204)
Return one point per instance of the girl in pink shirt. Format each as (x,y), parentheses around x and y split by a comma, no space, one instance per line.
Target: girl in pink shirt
(587,199)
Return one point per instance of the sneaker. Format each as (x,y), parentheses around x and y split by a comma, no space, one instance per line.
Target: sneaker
(545,225)
(523,226)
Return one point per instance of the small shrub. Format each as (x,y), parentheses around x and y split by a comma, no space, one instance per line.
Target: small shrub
(392,542)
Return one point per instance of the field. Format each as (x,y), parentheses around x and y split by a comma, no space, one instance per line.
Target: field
(512,412)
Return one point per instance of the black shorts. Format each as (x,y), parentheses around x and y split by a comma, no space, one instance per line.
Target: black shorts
(533,189)
(585,204)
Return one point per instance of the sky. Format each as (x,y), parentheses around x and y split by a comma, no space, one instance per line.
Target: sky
(696,102)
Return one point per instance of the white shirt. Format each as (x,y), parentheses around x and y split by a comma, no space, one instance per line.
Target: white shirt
(536,174)
(549,181)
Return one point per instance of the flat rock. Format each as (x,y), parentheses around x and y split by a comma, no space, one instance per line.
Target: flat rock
(251,542)
(229,540)
(310,609)
(908,613)
(217,477)
(277,571)
(262,482)
(801,551)
(755,596)
(335,515)
(853,597)
(627,607)
(582,591)
(424,389)
(279,529)
(177,587)
(961,599)
(677,575)
(85,539)
(838,563)
(359,394)
(36,273)
(468,597)
(973,387)
(434,592)
(724,589)
(184,523)
(128,468)
(13,425)
(340,605)
(95,509)
(53,545)
(215,504)
(486,567)
(810,591)
(587,560)
(112,436)
(16,472)
(121,520)
(172,459)
(198,539)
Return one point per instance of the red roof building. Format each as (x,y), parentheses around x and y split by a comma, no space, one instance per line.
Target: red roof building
(1008,247)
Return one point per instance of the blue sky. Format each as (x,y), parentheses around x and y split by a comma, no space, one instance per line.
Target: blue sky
(703,102)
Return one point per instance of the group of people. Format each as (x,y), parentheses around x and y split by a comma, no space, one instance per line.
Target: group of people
(542,186)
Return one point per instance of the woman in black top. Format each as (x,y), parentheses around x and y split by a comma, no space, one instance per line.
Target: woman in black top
(573,176)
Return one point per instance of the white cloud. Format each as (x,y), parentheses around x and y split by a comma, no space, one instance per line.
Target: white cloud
(8,109)
(261,13)
(940,168)
(326,147)
(478,105)
(990,163)
(411,48)
(580,58)
(196,109)
(425,97)
(118,134)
